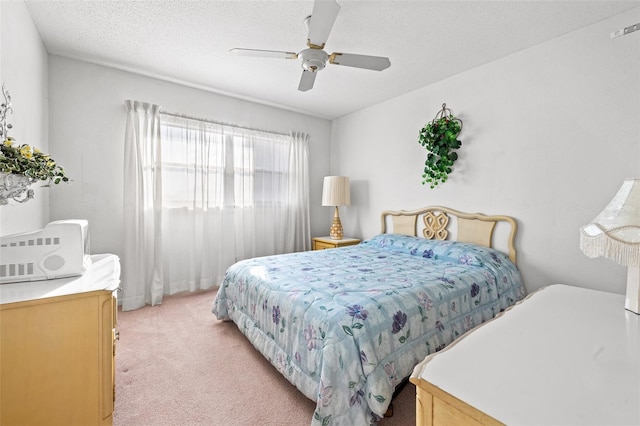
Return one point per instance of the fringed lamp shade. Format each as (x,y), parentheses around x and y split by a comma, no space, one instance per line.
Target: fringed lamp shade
(336,192)
(615,234)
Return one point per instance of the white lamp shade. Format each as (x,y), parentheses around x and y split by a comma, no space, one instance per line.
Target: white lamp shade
(335,191)
(615,232)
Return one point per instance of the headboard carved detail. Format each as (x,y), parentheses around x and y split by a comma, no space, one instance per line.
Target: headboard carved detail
(435,225)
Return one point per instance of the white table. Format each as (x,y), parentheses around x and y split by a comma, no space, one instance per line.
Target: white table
(564,356)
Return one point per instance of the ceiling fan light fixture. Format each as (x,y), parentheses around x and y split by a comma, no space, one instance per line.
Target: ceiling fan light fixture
(313,59)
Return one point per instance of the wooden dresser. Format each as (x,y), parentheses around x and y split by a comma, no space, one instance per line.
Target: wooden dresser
(564,356)
(58,346)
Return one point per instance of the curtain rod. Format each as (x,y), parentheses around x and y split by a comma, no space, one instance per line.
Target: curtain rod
(190,117)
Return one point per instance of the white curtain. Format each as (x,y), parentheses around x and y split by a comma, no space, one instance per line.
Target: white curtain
(221,194)
(299,229)
(141,272)
(196,225)
(270,205)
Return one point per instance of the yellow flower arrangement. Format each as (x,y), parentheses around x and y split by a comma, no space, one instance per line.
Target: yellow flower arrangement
(31,162)
(24,159)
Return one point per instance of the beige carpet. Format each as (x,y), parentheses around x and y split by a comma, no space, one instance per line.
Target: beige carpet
(176,364)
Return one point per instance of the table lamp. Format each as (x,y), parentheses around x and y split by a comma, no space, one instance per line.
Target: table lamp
(335,192)
(615,234)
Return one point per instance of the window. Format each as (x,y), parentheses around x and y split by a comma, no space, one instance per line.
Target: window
(201,196)
(217,166)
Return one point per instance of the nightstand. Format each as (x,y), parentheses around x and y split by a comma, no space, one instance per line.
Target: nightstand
(321,243)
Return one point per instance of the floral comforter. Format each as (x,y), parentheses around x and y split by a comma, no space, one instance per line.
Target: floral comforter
(347,325)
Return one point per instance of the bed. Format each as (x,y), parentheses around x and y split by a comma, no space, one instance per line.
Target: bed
(346,326)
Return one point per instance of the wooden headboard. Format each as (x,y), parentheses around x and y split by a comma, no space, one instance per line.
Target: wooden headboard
(475,228)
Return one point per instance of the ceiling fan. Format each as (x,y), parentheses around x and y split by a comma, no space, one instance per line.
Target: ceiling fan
(314,58)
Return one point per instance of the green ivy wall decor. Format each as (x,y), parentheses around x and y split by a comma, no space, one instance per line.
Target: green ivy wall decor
(440,138)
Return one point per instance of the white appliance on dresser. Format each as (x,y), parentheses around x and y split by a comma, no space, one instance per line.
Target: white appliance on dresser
(60,249)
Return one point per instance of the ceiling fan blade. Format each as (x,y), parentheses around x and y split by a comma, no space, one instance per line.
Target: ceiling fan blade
(377,63)
(307,80)
(264,53)
(323,16)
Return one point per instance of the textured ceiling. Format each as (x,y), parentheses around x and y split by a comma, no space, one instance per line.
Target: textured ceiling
(187,41)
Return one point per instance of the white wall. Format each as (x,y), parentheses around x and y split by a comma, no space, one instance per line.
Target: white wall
(549,134)
(87,124)
(23,67)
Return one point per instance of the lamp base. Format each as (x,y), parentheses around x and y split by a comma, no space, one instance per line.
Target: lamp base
(632,298)
(336,232)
